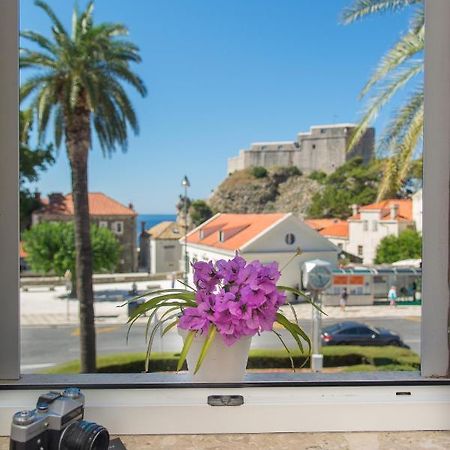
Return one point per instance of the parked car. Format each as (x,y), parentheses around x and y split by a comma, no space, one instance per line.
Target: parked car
(356,333)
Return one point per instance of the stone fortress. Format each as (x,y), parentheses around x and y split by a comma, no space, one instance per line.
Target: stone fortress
(322,148)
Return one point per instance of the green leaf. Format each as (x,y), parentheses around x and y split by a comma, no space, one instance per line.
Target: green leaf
(152,337)
(186,346)
(151,294)
(187,285)
(169,327)
(278,335)
(208,341)
(291,328)
(162,301)
(301,294)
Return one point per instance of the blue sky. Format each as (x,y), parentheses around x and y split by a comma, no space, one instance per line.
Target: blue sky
(222,74)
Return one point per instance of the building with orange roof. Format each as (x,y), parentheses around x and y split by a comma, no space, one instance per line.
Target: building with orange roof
(265,237)
(104,212)
(160,249)
(335,230)
(369,224)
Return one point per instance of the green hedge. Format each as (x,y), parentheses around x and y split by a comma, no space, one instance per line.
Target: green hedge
(378,358)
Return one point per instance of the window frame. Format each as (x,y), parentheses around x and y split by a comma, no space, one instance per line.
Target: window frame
(385,399)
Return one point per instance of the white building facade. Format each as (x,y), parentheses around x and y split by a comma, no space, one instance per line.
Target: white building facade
(371,223)
(263,237)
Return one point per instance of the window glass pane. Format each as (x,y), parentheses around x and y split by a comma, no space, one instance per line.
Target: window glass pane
(214,164)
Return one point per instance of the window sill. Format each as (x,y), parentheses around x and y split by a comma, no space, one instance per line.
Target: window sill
(166,404)
(179,381)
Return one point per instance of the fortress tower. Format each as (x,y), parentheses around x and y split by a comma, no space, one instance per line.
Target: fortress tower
(322,148)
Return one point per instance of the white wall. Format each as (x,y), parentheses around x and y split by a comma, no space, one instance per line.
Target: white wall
(370,239)
(163,259)
(417,210)
(305,237)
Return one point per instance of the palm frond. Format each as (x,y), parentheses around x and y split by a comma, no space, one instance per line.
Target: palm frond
(394,83)
(362,8)
(53,17)
(399,164)
(407,47)
(395,130)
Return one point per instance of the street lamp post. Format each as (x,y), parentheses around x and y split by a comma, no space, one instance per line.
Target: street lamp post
(185,183)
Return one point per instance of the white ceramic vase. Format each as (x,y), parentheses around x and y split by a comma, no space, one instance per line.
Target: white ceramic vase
(222,363)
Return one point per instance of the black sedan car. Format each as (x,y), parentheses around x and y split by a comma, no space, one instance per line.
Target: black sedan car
(356,333)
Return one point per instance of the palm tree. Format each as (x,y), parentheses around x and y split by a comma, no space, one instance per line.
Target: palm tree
(402,65)
(77,85)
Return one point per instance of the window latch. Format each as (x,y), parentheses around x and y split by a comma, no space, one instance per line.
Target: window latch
(225,400)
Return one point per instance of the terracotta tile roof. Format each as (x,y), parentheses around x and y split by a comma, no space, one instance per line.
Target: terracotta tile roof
(320,224)
(22,252)
(166,230)
(236,229)
(338,230)
(329,227)
(99,205)
(404,209)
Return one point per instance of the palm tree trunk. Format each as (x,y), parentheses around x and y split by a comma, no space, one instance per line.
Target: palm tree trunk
(78,141)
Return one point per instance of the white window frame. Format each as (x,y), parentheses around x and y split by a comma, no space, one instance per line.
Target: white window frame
(142,403)
(103,224)
(117,227)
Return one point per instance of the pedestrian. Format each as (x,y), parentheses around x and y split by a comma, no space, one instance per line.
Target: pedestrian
(173,279)
(392,296)
(414,290)
(343,299)
(68,280)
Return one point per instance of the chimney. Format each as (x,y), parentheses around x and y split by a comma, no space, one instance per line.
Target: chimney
(56,198)
(394,211)
(355,209)
(131,206)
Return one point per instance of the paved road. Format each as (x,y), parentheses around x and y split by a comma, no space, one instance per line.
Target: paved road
(49,345)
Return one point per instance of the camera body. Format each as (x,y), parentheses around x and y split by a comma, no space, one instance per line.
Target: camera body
(56,423)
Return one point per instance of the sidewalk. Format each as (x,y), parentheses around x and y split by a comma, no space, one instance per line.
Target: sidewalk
(40,306)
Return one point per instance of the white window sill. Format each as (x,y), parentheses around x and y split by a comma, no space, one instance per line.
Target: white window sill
(165,404)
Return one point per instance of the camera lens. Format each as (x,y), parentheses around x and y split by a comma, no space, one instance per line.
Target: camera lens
(84,435)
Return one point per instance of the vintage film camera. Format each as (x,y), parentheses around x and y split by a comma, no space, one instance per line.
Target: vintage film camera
(56,424)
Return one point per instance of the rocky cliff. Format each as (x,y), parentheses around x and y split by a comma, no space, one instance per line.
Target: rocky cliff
(281,189)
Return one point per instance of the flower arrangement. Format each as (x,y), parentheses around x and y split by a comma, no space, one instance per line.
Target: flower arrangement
(231,298)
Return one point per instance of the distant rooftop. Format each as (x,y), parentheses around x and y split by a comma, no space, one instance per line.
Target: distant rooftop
(165,230)
(99,205)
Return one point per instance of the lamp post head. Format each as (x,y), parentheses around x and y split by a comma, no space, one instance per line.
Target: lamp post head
(185,183)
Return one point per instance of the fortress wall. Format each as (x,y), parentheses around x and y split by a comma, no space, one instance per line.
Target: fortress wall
(323,148)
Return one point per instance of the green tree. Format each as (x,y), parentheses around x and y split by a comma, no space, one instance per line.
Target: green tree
(408,245)
(32,161)
(51,248)
(401,66)
(199,212)
(77,84)
(352,183)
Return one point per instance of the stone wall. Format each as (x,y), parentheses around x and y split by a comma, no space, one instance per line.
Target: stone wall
(323,148)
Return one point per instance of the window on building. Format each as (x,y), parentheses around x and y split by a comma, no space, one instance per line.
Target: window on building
(365,225)
(340,245)
(374,225)
(360,250)
(289,238)
(314,146)
(117,227)
(103,224)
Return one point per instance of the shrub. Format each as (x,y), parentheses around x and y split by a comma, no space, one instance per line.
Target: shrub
(259,172)
(367,358)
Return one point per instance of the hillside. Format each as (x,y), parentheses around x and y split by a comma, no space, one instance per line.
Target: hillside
(281,189)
